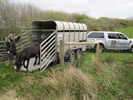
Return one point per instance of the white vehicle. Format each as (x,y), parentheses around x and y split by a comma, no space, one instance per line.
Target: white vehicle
(110,41)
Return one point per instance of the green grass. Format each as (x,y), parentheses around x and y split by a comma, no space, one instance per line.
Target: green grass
(109,79)
(119,76)
(128,31)
(9,77)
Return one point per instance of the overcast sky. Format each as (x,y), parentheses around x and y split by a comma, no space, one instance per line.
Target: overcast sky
(93,8)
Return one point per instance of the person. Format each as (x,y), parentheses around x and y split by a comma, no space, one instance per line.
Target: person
(11,47)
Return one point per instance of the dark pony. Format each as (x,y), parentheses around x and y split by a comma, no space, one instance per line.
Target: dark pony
(29,52)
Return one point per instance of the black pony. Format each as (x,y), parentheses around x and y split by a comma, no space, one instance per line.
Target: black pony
(29,52)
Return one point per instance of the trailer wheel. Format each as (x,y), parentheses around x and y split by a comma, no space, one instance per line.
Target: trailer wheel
(72,56)
(78,54)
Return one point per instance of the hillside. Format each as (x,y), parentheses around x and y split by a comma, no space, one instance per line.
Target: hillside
(128,31)
(15,17)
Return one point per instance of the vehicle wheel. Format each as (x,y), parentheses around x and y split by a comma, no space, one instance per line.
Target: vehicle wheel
(131,50)
(101,48)
(78,54)
(72,56)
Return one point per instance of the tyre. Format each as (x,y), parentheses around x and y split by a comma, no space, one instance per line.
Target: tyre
(101,48)
(131,49)
(78,54)
(72,56)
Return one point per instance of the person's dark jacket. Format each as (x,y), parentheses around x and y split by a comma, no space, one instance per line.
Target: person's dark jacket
(11,46)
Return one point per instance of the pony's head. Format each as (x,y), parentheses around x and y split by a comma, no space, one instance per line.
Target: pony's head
(18,64)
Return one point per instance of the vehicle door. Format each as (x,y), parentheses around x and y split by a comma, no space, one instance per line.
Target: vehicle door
(117,41)
(123,41)
(112,41)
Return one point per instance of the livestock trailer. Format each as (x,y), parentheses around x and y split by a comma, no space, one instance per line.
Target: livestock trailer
(49,34)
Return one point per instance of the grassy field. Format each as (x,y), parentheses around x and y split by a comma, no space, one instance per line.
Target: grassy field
(110,78)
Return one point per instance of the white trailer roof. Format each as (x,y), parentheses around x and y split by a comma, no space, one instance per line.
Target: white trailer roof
(59,25)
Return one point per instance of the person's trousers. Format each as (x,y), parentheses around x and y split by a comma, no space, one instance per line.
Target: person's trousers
(11,55)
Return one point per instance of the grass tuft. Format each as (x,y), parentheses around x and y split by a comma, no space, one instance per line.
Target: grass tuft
(71,82)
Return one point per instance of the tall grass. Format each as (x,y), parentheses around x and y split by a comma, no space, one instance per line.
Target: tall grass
(70,83)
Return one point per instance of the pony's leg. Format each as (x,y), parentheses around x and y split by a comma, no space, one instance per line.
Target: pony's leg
(35,60)
(39,58)
(27,64)
(24,64)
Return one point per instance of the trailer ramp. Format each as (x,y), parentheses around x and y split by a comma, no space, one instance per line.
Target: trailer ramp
(47,51)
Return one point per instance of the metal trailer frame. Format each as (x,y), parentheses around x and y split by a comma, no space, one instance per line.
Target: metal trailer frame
(60,30)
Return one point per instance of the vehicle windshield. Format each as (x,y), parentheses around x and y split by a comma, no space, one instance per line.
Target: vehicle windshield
(121,36)
(117,36)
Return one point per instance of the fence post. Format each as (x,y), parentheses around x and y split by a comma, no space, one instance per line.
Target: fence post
(62,52)
(97,52)
(6,39)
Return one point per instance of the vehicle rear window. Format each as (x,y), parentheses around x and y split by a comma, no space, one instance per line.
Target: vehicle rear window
(96,35)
